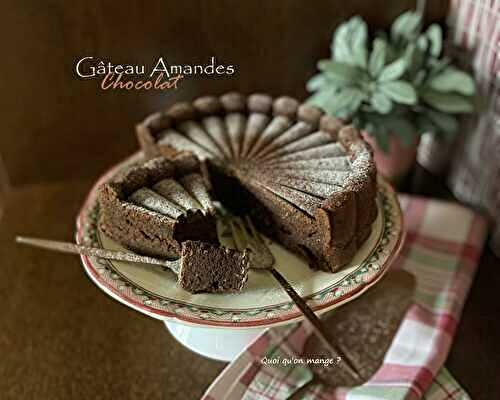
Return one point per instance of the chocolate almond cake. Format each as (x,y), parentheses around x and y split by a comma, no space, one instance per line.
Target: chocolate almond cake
(154,207)
(308,181)
(212,268)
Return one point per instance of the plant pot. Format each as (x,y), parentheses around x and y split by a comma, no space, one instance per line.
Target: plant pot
(434,153)
(399,159)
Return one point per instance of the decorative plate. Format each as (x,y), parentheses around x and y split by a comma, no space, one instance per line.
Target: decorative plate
(153,291)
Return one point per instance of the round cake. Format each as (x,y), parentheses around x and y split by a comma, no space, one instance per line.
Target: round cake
(307,180)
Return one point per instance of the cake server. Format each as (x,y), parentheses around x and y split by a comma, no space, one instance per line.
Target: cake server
(67,247)
(246,236)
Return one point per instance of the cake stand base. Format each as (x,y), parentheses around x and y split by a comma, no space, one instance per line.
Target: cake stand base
(215,343)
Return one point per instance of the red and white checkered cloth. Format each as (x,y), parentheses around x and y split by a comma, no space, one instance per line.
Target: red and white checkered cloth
(444,242)
(475,173)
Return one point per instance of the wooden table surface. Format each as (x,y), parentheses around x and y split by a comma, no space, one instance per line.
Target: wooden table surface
(62,338)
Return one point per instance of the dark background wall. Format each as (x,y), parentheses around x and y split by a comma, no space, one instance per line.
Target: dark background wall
(55,126)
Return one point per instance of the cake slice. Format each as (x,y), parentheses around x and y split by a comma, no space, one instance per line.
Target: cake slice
(211,268)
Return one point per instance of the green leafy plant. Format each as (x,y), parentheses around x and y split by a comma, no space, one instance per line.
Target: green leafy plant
(396,84)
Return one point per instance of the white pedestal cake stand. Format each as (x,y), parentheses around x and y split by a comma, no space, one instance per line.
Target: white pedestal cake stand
(220,326)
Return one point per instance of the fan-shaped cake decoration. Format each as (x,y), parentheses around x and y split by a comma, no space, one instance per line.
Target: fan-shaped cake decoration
(308,181)
(155,206)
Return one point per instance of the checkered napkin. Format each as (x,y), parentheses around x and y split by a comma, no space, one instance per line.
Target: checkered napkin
(443,244)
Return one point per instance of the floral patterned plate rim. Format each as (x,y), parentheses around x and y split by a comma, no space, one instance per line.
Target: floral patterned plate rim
(152,290)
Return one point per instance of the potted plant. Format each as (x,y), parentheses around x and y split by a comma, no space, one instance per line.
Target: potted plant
(394,87)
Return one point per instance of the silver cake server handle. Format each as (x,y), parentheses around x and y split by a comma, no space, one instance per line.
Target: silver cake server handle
(72,248)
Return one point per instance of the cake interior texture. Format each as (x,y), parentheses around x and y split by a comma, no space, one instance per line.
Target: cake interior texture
(308,181)
(212,268)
